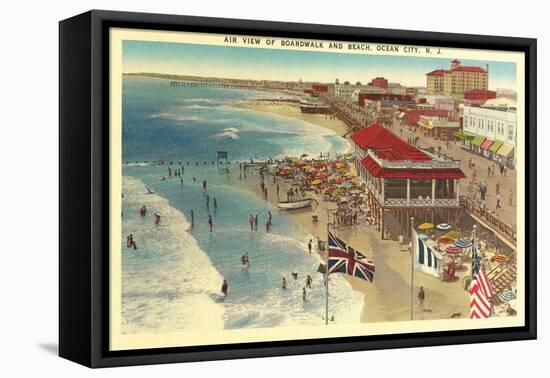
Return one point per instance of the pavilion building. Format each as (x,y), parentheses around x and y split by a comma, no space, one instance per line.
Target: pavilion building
(404,181)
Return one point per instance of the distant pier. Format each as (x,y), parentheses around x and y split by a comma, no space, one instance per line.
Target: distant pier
(206,84)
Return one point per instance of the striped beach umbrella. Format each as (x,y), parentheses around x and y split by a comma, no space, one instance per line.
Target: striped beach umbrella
(453,250)
(463,243)
(443,226)
(501,258)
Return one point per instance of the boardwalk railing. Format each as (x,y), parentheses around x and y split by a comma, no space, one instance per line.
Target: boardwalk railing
(505,229)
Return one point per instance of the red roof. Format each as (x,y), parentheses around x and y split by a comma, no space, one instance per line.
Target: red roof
(409,173)
(459,69)
(438,72)
(470,69)
(387,145)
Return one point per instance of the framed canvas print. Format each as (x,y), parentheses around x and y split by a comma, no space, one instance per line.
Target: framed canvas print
(233,188)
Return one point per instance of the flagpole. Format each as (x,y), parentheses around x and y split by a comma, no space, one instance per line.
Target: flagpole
(326,269)
(474,229)
(412,268)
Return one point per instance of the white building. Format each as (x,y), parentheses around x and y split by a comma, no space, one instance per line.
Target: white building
(493,130)
(349,91)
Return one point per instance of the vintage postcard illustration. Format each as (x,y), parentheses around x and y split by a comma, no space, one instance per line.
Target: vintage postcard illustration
(275,189)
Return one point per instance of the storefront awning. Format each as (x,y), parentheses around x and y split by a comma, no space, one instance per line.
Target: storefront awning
(494,148)
(426,125)
(462,135)
(506,150)
(478,140)
(487,143)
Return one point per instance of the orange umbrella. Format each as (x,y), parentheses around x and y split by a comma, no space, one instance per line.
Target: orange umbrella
(340,180)
(445,240)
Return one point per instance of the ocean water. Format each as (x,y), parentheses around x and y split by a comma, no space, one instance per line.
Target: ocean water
(172,281)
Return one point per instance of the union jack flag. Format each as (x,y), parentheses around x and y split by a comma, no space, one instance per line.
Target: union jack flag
(343,258)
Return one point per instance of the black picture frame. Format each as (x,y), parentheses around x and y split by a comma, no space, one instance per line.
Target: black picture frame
(84,196)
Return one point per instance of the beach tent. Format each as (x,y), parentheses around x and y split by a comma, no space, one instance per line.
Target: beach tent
(426,257)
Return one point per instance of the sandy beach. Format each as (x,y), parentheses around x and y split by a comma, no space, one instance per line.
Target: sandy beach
(388,297)
(290,109)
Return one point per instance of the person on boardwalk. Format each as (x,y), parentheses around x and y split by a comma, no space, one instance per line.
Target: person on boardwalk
(225,287)
(267,226)
(278,190)
(309,245)
(283,284)
(210,223)
(251,221)
(498,203)
(511,198)
(421,297)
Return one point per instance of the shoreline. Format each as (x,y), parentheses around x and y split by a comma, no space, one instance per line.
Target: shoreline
(292,110)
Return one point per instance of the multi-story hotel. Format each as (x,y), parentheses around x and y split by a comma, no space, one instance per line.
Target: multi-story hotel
(457,80)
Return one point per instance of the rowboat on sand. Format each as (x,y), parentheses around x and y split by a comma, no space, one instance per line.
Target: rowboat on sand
(293,205)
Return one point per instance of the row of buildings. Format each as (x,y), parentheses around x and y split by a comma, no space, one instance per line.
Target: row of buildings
(456,104)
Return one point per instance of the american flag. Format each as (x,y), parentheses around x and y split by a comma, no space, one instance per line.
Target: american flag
(480,289)
(343,258)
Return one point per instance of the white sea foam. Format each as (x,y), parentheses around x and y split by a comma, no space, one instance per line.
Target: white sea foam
(168,284)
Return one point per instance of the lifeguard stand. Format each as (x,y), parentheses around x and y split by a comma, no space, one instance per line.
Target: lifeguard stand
(222,156)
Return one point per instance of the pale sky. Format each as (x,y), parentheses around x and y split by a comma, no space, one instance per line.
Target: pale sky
(290,65)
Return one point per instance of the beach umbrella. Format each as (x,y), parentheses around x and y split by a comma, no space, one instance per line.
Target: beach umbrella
(463,243)
(337,192)
(444,240)
(453,250)
(423,236)
(301,164)
(347,184)
(316,182)
(453,235)
(501,258)
(330,189)
(443,226)
(320,164)
(426,226)
(340,180)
